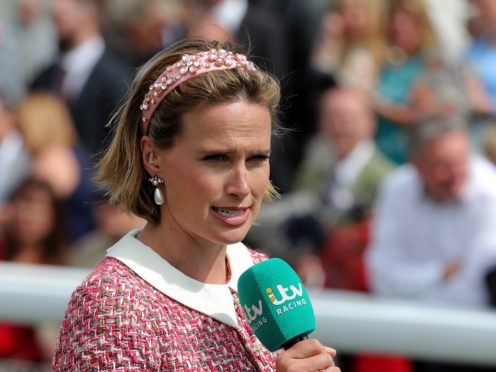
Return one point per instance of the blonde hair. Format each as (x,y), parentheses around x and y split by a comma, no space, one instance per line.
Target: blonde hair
(373,37)
(121,172)
(45,121)
(418,11)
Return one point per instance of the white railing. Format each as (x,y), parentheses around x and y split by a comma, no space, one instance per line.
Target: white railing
(31,294)
(359,322)
(350,322)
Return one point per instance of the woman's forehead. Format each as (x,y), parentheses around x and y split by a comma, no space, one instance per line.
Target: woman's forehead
(233,120)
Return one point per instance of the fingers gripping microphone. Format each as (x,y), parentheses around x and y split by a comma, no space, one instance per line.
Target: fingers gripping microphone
(276,304)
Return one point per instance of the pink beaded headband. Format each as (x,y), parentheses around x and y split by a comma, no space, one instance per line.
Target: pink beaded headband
(188,66)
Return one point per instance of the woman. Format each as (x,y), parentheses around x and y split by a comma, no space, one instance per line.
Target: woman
(190,155)
(351,45)
(34,230)
(57,157)
(412,51)
(33,233)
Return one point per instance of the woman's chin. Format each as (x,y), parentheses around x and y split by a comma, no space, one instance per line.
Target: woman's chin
(232,237)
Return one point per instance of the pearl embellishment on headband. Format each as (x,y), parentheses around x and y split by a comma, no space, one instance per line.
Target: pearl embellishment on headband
(187,67)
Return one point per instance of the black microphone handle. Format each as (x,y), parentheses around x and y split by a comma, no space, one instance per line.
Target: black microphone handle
(294,340)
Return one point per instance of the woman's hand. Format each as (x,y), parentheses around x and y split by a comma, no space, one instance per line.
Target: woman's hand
(307,355)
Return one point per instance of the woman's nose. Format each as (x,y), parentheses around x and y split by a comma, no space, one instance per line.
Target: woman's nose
(238,182)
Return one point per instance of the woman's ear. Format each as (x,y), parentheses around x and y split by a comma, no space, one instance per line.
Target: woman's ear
(149,154)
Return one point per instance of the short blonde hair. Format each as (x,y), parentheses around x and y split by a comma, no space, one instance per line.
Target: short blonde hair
(45,121)
(121,172)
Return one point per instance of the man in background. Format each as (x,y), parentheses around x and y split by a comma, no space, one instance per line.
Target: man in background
(336,184)
(89,80)
(433,236)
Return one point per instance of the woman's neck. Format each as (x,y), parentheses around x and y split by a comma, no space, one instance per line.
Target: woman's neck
(202,261)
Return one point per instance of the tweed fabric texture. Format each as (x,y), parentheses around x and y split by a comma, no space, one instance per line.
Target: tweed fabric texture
(117,321)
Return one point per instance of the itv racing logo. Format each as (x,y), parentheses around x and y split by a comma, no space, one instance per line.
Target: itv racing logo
(253,313)
(288,298)
(283,298)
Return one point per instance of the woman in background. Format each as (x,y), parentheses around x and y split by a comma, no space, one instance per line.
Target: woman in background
(351,47)
(33,233)
(58,158)
(34,230)
(411,51)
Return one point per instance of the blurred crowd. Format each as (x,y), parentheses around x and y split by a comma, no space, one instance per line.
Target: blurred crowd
(386,167)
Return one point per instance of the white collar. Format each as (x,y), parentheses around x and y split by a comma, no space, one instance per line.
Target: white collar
(85,54)
(229,14)
(78,64)
(348,169)
(214,300)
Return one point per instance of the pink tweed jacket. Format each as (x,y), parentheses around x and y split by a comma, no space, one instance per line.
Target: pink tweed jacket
(117,321)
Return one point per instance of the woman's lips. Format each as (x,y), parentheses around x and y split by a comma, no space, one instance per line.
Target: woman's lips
(231,216)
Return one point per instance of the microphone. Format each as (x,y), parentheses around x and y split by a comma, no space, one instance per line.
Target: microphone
(276,304)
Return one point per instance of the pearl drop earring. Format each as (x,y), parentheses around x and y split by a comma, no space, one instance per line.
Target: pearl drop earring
(158,197)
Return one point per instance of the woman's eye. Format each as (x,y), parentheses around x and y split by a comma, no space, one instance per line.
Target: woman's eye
(260,157)
(215,157)
(224,157)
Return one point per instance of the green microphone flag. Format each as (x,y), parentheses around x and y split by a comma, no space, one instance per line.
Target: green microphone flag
(275,303)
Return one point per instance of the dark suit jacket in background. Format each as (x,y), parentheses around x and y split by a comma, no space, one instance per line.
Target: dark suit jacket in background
(99,98)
